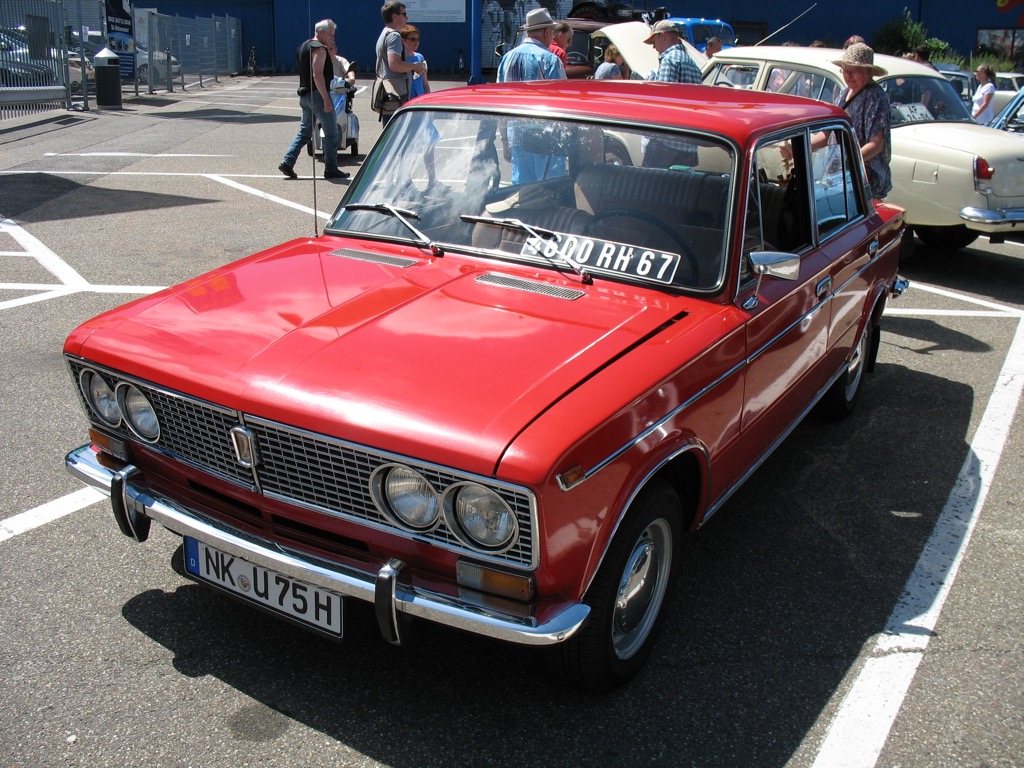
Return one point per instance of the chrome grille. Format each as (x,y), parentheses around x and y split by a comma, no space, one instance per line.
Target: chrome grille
(301,467)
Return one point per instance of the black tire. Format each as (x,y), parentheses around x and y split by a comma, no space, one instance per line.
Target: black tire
(946,238)
(907,246)
(841,398)
(627,597)
(355,148)
(142,74)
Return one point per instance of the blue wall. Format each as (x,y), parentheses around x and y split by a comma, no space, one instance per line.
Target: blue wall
(281,25)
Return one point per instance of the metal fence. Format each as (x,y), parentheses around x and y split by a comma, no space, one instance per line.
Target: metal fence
(47,48)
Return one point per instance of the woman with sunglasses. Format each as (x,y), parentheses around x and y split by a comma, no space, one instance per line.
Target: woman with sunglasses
(411,40)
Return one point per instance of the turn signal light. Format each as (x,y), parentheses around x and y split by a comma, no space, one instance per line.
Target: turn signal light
(473,576)
(108,444)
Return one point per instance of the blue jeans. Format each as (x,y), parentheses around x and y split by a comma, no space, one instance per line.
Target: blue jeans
(529,166)
(312,105)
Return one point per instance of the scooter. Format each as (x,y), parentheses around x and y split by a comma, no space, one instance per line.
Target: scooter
(342,93)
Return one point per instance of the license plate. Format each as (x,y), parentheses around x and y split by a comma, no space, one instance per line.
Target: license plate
(607,256)
(282,594)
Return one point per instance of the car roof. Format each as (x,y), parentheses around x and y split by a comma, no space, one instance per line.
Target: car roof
(821,58)
(737,113)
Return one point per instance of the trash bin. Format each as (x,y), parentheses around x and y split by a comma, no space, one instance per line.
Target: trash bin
(108,79)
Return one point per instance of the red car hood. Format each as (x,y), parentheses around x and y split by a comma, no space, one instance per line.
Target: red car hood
(391,357)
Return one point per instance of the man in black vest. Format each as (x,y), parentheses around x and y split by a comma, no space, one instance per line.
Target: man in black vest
(316,69)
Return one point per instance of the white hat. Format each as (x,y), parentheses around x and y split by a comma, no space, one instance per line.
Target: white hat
(662,26)
(538,18)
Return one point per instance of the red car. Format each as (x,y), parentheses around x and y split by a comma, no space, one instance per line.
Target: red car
(535,346)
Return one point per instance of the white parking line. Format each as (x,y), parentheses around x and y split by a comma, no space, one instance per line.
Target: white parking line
(48,512)
(860,729)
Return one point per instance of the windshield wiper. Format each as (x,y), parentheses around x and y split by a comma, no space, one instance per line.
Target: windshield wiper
(403,215)
(537,232)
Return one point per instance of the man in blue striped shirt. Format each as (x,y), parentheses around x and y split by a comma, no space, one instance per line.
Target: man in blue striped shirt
(531,60)
(674,63)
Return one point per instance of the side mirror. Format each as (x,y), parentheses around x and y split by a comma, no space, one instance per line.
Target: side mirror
(781,266)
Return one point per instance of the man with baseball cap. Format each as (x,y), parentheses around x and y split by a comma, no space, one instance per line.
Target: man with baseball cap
(674,63)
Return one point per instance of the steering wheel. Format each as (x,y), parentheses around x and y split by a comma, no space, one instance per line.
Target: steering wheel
(681,245)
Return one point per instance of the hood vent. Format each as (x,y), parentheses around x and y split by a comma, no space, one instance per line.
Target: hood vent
(376,258)
(530,286)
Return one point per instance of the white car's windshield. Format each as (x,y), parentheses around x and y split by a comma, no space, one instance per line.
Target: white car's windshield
(602,200)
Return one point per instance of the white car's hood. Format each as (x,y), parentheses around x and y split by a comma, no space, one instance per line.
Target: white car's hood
(629,38)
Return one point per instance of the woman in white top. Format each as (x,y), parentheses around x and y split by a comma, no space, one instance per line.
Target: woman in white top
(983,110)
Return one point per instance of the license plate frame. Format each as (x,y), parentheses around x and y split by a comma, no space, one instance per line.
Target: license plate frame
(309,605)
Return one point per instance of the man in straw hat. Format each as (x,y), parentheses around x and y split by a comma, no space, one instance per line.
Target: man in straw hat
(868,107)
(674,63)
(532,59)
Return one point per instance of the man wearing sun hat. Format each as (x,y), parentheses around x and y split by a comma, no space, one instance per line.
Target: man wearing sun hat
(674,63)
(868,107)
(532,60)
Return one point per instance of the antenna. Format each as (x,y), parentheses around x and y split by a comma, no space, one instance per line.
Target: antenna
(312,139)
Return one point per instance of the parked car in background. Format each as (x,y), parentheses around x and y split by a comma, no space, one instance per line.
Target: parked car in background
(964,82)
(500,406)
(152,66)
(1008,84)
(955,178)
(22,64)
(1011,118)
(697,31)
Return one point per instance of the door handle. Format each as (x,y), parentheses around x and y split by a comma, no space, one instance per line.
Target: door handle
(823,287)
(873,248)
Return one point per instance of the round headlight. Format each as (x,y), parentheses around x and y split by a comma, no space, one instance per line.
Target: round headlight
(483,516)
(138,412)
(410,498)
(101,398)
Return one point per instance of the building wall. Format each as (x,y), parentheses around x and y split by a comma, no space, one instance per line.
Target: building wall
(277,27)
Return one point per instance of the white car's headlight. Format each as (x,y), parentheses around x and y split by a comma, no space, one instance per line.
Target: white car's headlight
(410,498)
(101,397)
(483,516)
(138,412)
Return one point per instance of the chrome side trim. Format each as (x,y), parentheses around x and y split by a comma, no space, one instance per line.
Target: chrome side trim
(458,612)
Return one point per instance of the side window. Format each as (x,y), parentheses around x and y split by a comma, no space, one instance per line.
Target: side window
(834,172)
(733,75)
(778,215)
(797,82)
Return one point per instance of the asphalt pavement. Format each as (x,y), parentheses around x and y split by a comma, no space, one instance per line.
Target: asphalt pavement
(859,602)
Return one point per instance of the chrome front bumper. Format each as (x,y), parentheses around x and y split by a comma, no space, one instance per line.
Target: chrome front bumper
(993,219)
(135,507)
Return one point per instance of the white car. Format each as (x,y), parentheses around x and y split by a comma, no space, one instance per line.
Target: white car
(1008,84)
(955,178)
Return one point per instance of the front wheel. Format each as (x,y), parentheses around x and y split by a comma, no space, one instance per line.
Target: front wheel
(627,596)
(946,238)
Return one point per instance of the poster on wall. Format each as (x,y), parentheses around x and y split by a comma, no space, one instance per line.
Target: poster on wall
(120,35)
(436,11)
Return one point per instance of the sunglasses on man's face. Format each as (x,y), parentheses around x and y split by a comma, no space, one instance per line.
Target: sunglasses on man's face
(413,39)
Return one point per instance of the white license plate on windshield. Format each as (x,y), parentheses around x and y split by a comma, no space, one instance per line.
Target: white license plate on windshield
(607,256)
(282,594)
